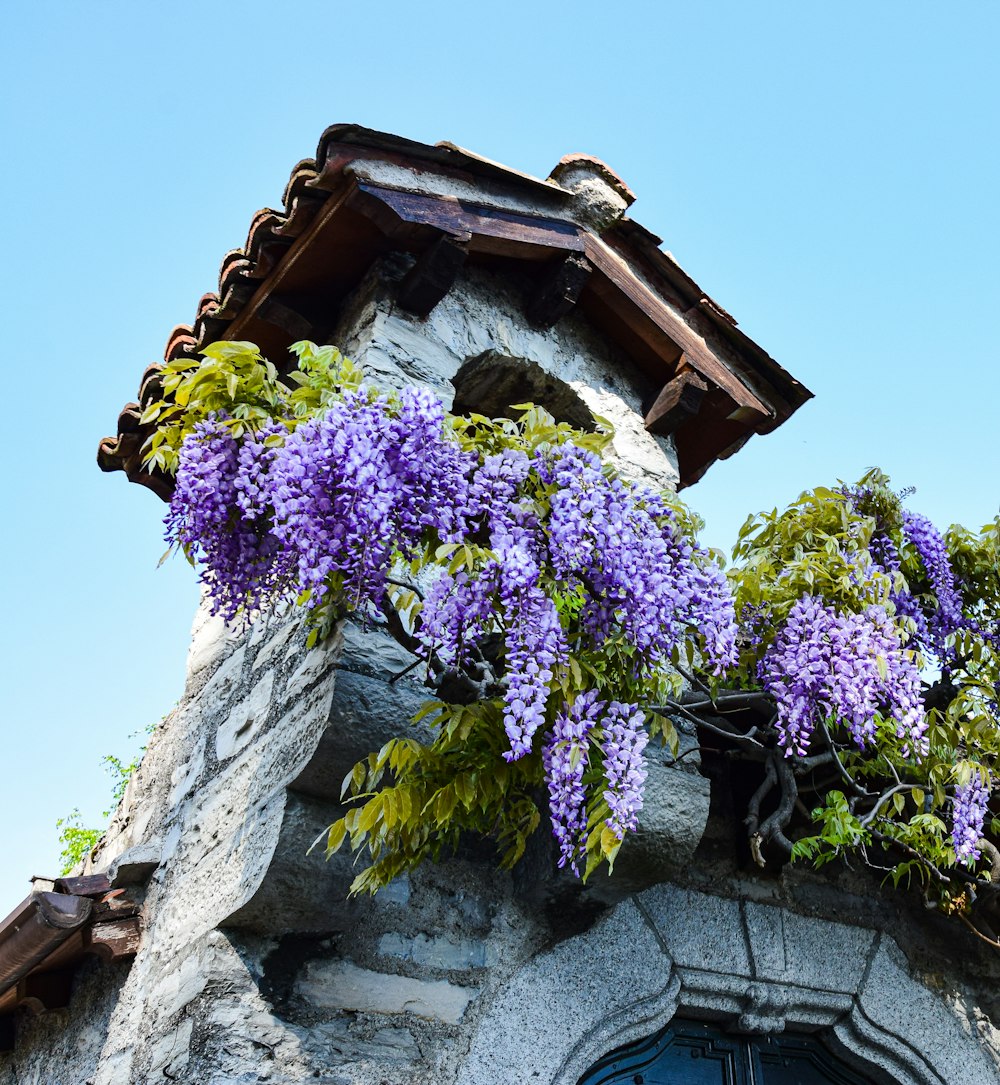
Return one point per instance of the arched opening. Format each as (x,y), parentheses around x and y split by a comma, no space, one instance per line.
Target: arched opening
(492,383)
(693,1053)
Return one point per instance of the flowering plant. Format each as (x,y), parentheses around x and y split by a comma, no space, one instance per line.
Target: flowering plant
(876,639)
(564,615)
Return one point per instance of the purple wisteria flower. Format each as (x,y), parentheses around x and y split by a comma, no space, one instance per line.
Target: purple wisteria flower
(329,506)
(824,664)
(495,483)
(929,628)
(217,515)
(536,643)
(334,491)
(643,578)
(253,483)
(625,737)
(969,808)
(457,612)
(361,484)
(929,544)
(565,759)
(432,471)
(460,608)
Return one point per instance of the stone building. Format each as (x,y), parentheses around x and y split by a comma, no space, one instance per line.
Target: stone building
(201,943)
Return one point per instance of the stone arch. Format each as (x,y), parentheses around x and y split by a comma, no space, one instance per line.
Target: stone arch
(752,967)
(492,383)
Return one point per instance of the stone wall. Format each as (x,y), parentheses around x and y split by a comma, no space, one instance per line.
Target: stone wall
(255,965)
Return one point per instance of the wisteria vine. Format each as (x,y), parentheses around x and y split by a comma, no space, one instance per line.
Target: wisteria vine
(525,536)
(564,615)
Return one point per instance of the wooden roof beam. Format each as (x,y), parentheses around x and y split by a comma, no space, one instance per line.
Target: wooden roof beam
(434,273)
(679,399)
(405,216)
(559,290)
(634,293)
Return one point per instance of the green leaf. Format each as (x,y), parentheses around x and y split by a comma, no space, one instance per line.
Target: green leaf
(575,673)
(335,836)
(355,779)
(670,736)
(610,846)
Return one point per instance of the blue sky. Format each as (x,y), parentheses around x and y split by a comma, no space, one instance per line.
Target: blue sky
(829,173)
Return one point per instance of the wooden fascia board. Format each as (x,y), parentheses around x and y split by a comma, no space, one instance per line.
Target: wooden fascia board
(490,229)
(295,253)
(785,391)
(696,351)
(35,930)
(785,394)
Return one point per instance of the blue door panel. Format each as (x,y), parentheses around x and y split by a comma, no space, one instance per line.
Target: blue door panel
(691,1053)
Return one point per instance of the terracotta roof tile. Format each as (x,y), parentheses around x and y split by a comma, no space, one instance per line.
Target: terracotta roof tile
(568,161)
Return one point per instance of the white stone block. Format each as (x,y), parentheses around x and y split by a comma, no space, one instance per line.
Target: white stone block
(342,985)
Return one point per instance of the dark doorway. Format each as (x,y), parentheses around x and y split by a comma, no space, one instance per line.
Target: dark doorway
(691,1053)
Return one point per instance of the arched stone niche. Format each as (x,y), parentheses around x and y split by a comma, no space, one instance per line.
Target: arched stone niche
(753,968)
(478,350)
(492,383)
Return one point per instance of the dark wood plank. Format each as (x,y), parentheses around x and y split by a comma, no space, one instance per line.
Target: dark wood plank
(334,203)
(492,230)
(42,991)
(113,940)
(90,885)
(679,399)
(66,955)
(434,274)
(558,291)
(50,920)
(628,291)
(280,315)
(699,444)
(118,904)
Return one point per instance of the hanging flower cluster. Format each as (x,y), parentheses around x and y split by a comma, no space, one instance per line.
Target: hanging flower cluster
(969,813)
(932,624)
(566,758)
(217,516)
(888,658)
(616,546)
(827,664)
(930,547)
